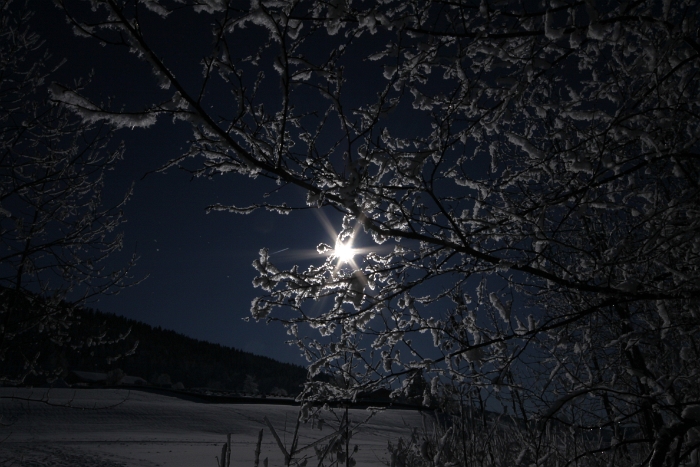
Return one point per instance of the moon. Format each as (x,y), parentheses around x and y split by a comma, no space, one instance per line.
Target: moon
(344,252)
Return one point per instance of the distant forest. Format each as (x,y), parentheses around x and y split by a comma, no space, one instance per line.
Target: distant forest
(160,356)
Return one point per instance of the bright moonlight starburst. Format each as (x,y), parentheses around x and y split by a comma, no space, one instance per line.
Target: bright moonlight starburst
(344,252)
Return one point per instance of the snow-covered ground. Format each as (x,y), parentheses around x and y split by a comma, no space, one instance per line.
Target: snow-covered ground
(110,428)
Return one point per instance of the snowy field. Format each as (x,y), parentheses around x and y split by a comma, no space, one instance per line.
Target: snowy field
(147,430)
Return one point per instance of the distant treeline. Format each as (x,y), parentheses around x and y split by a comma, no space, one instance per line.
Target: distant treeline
(161,357)
(192,362)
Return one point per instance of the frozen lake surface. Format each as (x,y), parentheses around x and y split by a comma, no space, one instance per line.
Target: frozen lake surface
(115,427)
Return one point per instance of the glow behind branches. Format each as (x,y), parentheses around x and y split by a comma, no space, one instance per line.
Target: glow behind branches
(344,251)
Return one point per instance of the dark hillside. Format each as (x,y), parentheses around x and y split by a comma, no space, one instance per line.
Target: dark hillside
(192,362)
(101,342)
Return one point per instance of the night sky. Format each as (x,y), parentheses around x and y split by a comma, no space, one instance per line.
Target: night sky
(197,266)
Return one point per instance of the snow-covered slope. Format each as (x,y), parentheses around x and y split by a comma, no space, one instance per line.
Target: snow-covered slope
(109,428)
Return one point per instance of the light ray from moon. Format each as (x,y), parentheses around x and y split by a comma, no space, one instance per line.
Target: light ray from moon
(344,250)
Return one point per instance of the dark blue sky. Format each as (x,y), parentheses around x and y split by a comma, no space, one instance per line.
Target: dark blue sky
(197,266)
